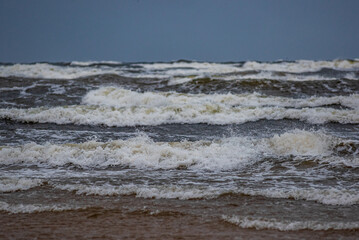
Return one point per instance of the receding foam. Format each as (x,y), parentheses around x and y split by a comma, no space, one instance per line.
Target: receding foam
(282,225)
(18,184)
(34,208)
(158,192)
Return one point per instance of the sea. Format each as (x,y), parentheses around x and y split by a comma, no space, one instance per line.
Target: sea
(179,150)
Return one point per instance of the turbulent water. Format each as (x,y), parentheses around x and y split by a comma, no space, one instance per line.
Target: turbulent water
(257,145)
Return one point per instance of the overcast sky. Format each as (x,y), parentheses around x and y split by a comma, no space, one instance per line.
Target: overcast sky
(166,30)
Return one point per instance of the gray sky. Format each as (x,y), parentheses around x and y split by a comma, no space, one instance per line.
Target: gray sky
(165,30)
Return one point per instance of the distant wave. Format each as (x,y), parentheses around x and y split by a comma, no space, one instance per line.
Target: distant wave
(180,70)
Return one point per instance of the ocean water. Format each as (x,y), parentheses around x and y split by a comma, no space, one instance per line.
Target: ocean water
(180,149)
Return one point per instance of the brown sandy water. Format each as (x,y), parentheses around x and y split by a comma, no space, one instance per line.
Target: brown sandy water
(143,219)
(130,217)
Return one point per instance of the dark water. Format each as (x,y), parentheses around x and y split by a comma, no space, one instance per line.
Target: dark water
(249,149)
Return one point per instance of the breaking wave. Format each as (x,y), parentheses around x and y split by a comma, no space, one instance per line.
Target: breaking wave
(143,152)
(118,107)
(140,152)
(302,65)
(208,113)
(118,97)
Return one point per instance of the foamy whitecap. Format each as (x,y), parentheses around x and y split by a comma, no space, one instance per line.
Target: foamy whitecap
(119,107)
(188,68)
(210,113)
(301,65)
(18,184)
(33,208)
(265,75)
(50,71)
(143,152)
(158,192)
(329,196)
(140,152)
(300,142)
(286,225)
(176,69)
(118,97)
(88,63)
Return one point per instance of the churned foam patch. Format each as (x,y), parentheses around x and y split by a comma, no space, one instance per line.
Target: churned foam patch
(34,208)
(157,192)
(18,184)
(300,142)
(283,225)
(139,152)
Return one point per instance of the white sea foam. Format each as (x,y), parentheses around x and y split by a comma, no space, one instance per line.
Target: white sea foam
(286,225)
(260,75)
(188,68)
(299,142)
(272,76)
(118,97)
(120,107)
(88,63)
(301,66)
(176,69)
(329,196)
(158,192)
(33,208)
(18,184)
(142,152)
(49,71)
(210,113)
